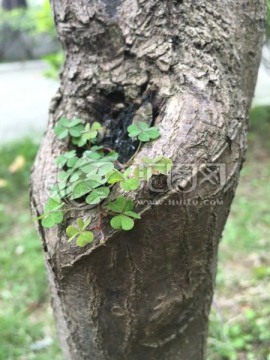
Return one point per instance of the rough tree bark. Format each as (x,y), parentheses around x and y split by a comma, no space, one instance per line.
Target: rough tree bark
(146,294)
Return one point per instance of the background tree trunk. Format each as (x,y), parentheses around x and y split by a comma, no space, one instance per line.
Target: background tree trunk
(13,4)
(146,294)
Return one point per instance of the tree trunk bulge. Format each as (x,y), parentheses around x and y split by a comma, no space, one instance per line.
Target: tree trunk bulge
(146,294)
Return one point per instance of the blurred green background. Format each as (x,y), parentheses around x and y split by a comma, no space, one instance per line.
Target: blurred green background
(240,316)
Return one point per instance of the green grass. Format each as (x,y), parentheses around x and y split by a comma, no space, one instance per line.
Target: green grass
(240,317)
(25,315)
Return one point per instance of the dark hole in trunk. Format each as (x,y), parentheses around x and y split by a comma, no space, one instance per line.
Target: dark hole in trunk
(116,113)
(117,135)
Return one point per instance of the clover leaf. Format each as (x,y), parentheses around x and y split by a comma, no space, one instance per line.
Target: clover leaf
(114,177)
(97,195)
(122,222)
(57,192)
(53,215)
(149,167)
(143,131)
(84,187)
(88,157)
(52,219)
(123,208)
(62,176)
(68,158)
(90,133)
(83,237)
(52,205)
(86,173)
(99,167)
(67,127)
(120,205)
(112,156)
(126,183)
(65,180)
(86,237)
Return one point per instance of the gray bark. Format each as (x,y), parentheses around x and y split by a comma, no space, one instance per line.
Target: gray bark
(146,294)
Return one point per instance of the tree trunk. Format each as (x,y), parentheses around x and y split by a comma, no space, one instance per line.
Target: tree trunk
(146,294)
(13,4)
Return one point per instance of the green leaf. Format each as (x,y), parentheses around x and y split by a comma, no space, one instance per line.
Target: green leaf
(52,205)
(87,223)
(95,180)
(80,223)
(112,156)
(126,183)
(61,132)
(79,141)
(65,127)
(89,132)
(127,223)
(123,207)
(75,176)
(149,167)
(114,177)
(130,184)
(48,222)
(52,219)
(143,132)
(100,167)
(82,161)
(71,162)
(62,176)
(153,132)
(120,205)
(76,130)
(81,188)
(133,130)
(132,214)
(96,148)
(116,222)
(96,126)
(85,238)
(63,122)
(93,155)
(68,158)
(61,191)
(88,157)
(97,195)
(72,123)
(55,193)
(122,222)
(84,187)
(159,165)
(142,172)
(71,232)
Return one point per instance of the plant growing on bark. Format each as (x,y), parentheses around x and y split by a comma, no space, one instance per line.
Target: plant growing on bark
(88,174)
(189,67)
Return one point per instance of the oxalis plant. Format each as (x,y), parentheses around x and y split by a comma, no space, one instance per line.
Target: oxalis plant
(87,174)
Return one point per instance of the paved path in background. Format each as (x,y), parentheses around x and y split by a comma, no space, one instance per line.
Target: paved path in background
(25,96)
(24,99)
(262,93)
